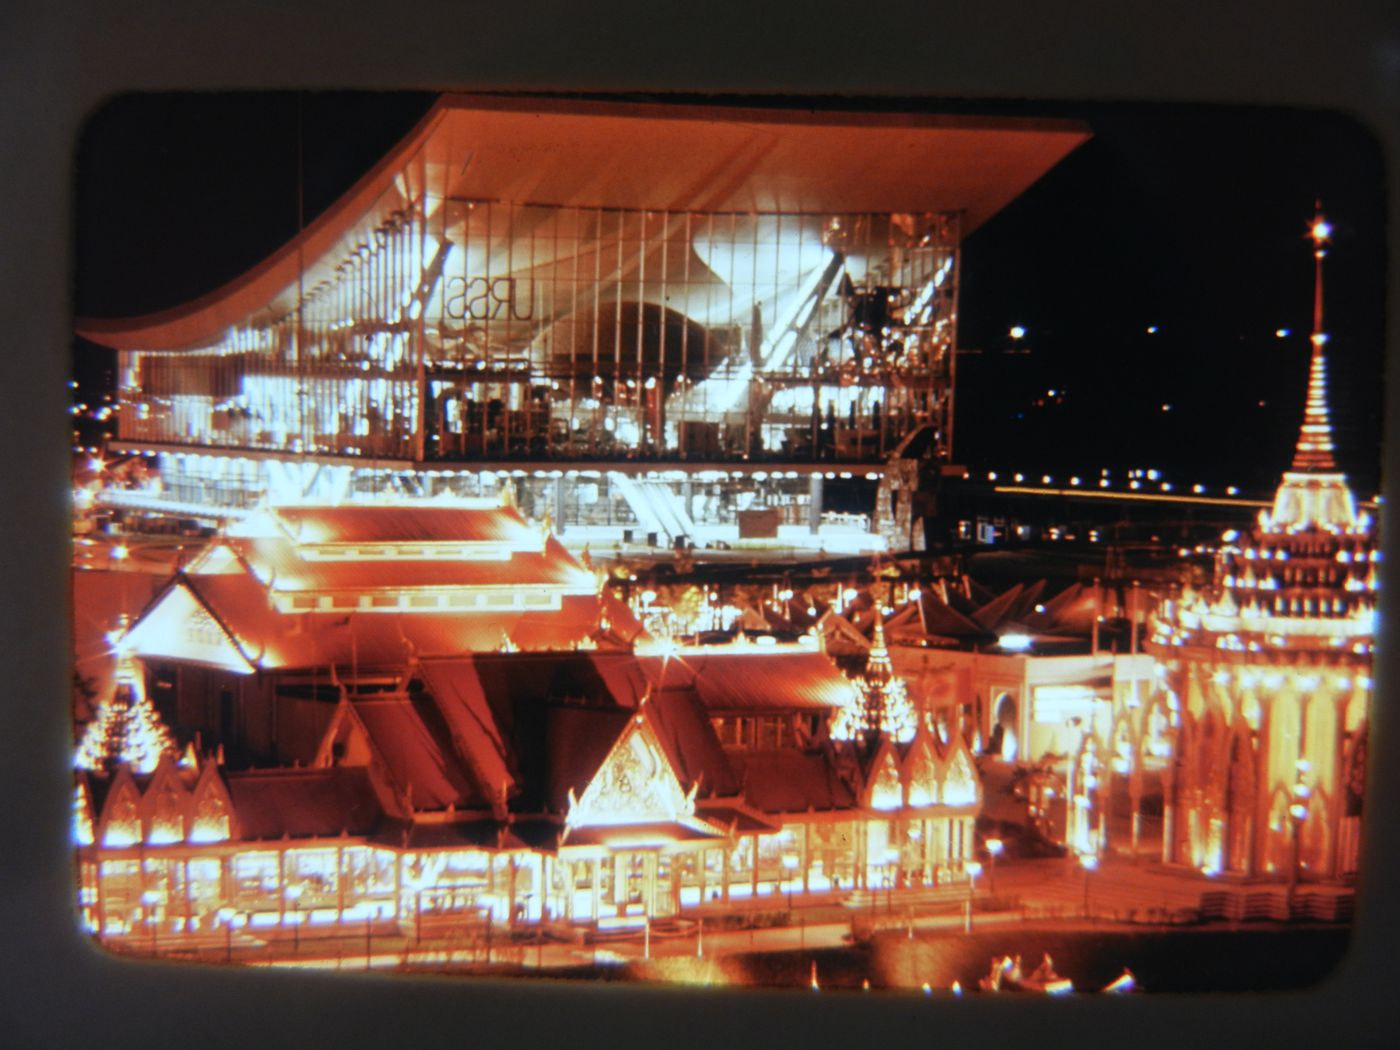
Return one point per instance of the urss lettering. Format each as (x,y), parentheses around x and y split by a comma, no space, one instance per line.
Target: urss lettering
(486,299)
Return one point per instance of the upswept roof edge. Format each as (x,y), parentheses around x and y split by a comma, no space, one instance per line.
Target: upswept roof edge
(266,279)
(201,321)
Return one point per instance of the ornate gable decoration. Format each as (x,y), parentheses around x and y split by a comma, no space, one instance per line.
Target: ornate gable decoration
(165,804)
(635,785)
(886,788)
(120,823)
(211,811)
(960,786)
(921,771)
(180,628)
(82,815)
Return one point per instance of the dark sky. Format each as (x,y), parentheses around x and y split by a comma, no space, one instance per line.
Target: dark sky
(1191,219)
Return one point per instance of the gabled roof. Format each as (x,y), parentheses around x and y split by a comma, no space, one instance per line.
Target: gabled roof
(273,803)
(413,740)
(686,732)
(791,781)
(279,562)
(752,680)
(420,522)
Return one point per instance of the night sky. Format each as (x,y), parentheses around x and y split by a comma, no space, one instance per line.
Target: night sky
(1190,219)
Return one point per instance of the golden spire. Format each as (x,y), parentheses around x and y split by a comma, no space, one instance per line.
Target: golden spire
(1314,450)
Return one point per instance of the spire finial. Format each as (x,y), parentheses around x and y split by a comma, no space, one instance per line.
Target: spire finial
(1314,450)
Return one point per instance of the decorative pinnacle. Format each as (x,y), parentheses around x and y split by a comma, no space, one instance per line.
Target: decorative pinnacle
(1314,449)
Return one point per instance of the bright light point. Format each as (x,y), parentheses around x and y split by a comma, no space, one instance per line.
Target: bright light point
(1088,861)
(1282,333)
(1018,477)
(1321,231)
(119,552)
(1045,479)
(1152,329)
(1017,332)
(1103,483)
(1074,481)
(1015,643)
(991,475)
(1198,489)
(1231,491)
(1166,408)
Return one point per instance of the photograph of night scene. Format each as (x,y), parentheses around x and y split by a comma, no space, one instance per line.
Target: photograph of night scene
(802,543)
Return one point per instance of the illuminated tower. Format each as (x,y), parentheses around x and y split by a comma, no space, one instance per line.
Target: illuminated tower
(881,704)
(1266,674)
(127,729)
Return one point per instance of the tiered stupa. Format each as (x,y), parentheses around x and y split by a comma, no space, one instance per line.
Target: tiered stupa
(1267,672)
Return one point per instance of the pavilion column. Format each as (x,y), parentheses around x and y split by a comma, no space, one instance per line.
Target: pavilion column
(814,508)
(700,874)
(1135,802)
(512,889)
(101,895)
(806,859)
(726,860)
(597,887)
(189,897)
(339,884)
(927,829)
(753,866)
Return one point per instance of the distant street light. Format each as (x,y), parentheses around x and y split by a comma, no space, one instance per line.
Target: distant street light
(1017,332)
(973,869)
(1088,861)
(225,916)
(150,899)
(891,870)
(994,848)
(293,895)
(1298,815)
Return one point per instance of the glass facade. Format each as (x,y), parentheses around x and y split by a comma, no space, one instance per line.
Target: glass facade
(461,331)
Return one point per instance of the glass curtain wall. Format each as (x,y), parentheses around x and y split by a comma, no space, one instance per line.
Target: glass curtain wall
(494,331)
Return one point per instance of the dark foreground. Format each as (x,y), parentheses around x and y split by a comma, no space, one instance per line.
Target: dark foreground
(1162,961)
(1175,960)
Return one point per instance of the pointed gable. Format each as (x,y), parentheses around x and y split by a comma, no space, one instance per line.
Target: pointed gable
(885,790)
(178,626)
(635,784)
(996,610)
(211,810)
(960,786)
(921,770)
(120,823)
(83,834)
(165,805)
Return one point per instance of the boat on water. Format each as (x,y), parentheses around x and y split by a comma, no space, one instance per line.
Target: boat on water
(1006,975)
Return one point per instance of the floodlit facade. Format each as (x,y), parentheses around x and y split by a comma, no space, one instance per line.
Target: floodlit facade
(1266,674)
(656,319)
(587,790)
